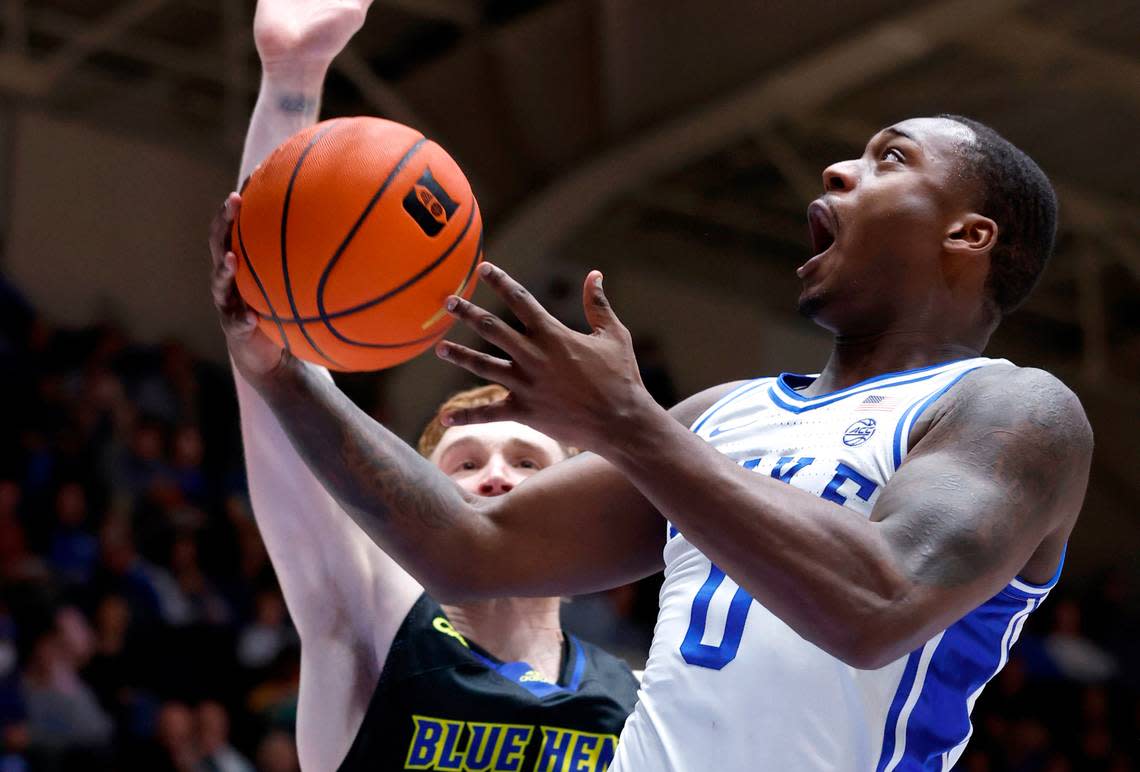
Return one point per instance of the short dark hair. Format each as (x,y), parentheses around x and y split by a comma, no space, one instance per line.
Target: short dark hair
(1017,195)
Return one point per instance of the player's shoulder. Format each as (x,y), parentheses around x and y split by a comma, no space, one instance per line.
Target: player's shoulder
(1003,395)
(690,409)
(612,673)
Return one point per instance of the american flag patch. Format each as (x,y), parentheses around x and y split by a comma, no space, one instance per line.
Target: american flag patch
(878,402)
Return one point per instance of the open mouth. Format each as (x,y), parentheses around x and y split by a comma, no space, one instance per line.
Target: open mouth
(821,227)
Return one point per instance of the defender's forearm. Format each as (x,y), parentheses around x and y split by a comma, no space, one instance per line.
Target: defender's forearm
(404,503)
(288,101)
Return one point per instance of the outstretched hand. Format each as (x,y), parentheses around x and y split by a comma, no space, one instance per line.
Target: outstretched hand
(299,32)
(253,353)
(578,388)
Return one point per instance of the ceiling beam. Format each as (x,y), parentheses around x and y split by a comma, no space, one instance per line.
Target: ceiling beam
(381,95)
(546,220)
(15,27)
(93,37)
(461,12)
(177,59)
(1027,43)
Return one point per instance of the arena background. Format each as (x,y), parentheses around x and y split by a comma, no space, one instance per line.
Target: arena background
(673,144)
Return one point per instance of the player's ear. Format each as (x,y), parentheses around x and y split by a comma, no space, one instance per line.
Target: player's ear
(972,234)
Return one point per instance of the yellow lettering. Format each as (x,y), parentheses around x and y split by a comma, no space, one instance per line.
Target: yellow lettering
(441,625)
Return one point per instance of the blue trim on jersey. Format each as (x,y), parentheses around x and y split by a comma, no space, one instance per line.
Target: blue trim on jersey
(903,691)
(970,653)
(859,388)
(898,453)
(807,380)
(515,671)
(579,664)
(1034,590)
(723,401)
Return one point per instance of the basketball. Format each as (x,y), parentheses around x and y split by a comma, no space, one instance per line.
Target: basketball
(350,237)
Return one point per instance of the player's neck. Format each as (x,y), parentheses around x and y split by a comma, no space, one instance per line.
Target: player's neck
(515,630)
(856,358)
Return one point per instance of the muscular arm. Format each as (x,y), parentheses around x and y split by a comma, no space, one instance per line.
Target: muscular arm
(1000,470)
(578,526)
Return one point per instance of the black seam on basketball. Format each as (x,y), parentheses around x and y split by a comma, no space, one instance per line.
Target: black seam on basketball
(327,318)
(396,290)
(284,256)
(474,263)
(322,314)
(471,268)
(261,288)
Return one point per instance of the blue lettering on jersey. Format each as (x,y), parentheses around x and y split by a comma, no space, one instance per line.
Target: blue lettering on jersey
(474,746)
(556,745)
(844,474)
(783,474)
(482,746)
(716,657)
(514,746)
(450,757)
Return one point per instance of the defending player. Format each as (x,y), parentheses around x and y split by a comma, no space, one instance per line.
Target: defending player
(388,677)
(849,555)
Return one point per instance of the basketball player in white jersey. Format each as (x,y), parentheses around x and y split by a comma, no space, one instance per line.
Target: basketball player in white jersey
(849,556)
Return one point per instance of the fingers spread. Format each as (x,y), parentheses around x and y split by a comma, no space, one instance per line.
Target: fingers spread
(487,326)
(488,367)
(522,304)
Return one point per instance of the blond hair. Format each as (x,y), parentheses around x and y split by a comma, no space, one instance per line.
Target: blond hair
(477,397)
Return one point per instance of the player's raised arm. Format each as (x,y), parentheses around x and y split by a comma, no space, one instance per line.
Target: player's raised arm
(345,596)
(297,41)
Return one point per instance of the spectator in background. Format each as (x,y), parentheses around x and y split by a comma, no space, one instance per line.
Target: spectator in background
(186,464)
(217,755)
(277,753)
(73,550)
(17,562)
(1072,652)
(13,712)
(267,635)
(191,597)
(63,713)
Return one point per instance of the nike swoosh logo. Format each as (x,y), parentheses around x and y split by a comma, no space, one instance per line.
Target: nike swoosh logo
(722,429)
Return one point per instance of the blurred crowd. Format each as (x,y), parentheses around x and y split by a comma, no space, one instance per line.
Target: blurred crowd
(142,628)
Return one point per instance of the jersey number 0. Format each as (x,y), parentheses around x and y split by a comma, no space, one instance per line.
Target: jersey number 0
(702,654)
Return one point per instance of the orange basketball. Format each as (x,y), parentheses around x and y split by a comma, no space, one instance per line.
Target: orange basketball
(350,237)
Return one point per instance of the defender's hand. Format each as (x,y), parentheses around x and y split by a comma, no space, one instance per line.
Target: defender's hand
(254,354)
(580,389)
(291,33)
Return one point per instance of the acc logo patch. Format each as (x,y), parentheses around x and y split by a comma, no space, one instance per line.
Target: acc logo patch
(859,432)
(429,205)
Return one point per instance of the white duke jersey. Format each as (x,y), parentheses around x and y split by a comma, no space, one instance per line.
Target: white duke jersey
(729,686)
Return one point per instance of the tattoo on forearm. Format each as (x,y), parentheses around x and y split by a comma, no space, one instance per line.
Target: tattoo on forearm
(377,478)
(295,103)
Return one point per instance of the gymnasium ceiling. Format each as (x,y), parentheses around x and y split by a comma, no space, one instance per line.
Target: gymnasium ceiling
(688,136)
(705,122)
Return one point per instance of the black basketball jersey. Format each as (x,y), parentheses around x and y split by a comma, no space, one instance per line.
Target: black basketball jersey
(443,703)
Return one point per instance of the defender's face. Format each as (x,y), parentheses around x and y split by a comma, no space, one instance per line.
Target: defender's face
(877,231)
(491,459)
